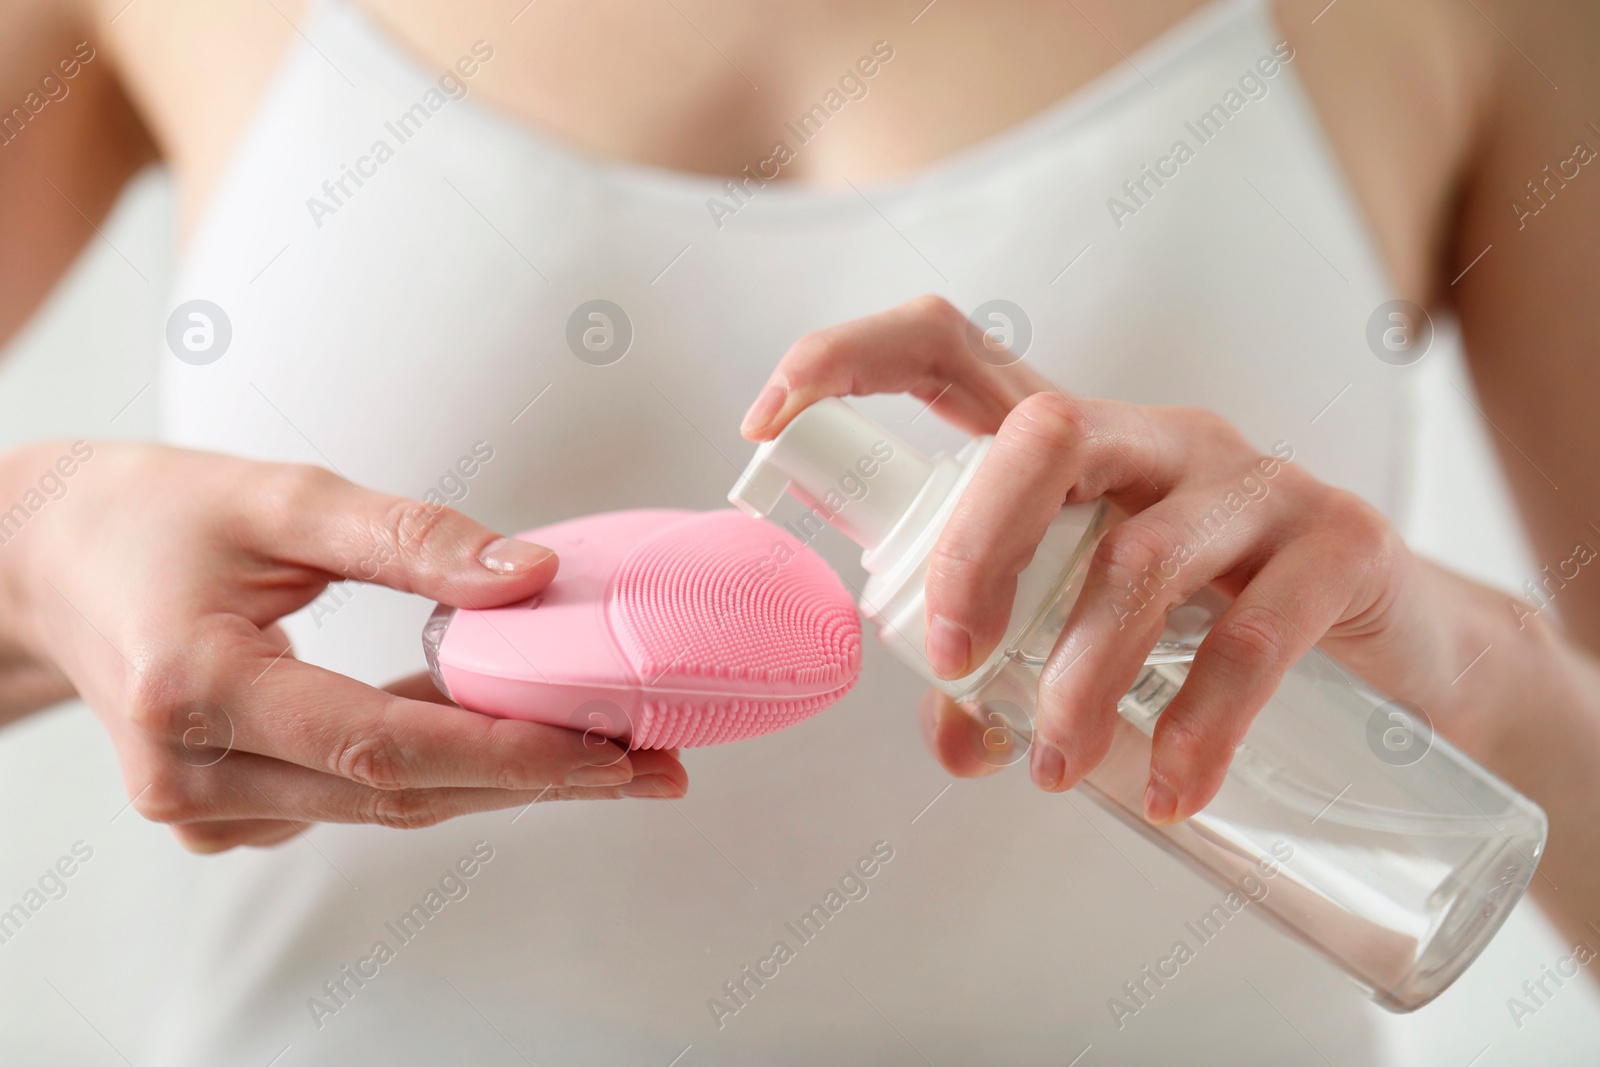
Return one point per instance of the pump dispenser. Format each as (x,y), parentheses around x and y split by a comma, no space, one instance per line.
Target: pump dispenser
(827,451)
(894,501)
(1342,819)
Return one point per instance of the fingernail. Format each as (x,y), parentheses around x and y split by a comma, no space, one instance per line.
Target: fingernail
(653,786)
(765,409)
(1159,801)
(1047,764)
(614,774)
(509,556)
(948,648)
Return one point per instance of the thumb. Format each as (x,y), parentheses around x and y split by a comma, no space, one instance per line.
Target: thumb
(315,518)
(925,347)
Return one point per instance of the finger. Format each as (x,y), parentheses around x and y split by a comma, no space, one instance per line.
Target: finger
(275,635)
(246,789)
(317,519)
(418,686)
(206,838)
(924,347)
(1051,449)
(324,721)
(1142,568)
(327,722)
(964,742)
(1275,620)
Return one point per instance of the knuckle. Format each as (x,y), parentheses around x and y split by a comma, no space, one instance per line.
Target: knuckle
(1249,637)
(210,647)
(152,708)
(936,308)
(373,760)
(1205,423)
(411,528)
(953,554)
(954,567)
(1300,485)
(167,798)
(1045,424)
(1131,549)
(511,774)
(308,481)
(175,679)
(1363,530)
(288,489)
(402,809)
(1208,440)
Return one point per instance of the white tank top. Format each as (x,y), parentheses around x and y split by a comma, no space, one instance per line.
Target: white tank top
(388,328)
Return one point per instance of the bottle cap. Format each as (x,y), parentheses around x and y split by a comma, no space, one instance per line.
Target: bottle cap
(851,471)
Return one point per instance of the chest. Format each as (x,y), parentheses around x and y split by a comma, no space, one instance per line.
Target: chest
(711,86)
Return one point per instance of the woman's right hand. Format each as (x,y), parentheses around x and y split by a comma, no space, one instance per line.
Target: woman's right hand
(152,581)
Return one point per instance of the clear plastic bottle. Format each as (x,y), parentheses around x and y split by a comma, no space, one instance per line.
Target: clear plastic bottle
(1379,845)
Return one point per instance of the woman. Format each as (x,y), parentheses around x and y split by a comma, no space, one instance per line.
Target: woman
(397,222)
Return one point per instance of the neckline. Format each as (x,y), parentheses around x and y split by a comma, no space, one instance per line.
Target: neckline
(1134,73)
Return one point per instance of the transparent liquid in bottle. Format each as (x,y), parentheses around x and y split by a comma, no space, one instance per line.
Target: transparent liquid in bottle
(1364,835)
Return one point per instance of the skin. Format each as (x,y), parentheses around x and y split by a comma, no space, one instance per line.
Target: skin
(1477,117)
(168,632)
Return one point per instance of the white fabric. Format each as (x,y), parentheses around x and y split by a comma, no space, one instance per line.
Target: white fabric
(428,311)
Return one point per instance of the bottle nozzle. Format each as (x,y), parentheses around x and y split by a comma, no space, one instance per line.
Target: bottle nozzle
(852,472)
(761,486)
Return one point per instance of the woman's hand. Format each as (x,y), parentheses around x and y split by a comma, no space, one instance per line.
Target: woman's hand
(152,583)
(1305,563)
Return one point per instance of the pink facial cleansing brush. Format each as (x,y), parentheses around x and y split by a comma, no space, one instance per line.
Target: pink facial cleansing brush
(662,629)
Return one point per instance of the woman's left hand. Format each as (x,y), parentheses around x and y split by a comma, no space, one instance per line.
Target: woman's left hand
(1306,563)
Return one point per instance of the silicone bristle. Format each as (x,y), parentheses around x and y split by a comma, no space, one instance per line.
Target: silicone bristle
(679,724)
(724,604)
